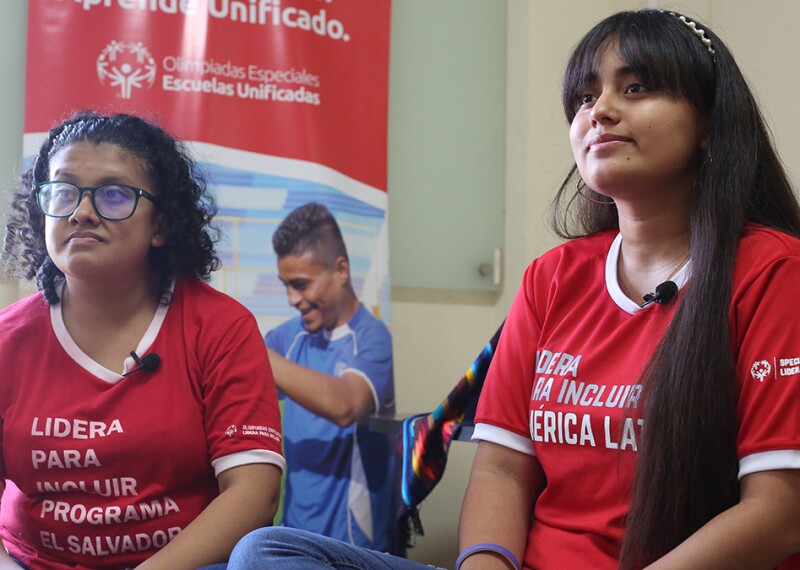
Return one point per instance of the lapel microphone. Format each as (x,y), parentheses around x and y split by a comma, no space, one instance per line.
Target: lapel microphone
(146,363)
(664,293)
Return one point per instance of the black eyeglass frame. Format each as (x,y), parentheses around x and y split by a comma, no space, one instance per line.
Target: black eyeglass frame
(137,193)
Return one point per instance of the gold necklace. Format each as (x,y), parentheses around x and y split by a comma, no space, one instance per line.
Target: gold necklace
(678,267)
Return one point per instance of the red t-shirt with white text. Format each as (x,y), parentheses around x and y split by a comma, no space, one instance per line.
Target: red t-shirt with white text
(568,364)
(101,470)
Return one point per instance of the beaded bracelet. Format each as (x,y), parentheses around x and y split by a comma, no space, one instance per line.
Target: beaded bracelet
(488,547)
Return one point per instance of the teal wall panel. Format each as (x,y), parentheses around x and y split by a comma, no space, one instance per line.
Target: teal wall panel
(446,142)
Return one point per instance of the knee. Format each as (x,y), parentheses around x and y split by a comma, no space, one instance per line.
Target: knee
(263,540)
(265,545)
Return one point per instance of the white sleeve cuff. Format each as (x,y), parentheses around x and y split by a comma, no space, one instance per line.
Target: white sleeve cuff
(500,436)
(246,458)
(769,461)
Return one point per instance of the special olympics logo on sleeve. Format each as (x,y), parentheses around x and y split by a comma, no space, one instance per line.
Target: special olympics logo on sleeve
(760,370)
(126,65)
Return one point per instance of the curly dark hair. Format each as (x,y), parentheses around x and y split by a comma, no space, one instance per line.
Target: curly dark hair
(184,202)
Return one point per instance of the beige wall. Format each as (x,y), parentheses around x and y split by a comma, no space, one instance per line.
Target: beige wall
(540,34)
(12,61)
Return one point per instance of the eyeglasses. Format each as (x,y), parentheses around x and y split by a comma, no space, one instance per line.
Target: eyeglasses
(113,202)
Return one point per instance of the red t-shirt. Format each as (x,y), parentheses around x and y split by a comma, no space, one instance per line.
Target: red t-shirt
(567,365)
(101,470)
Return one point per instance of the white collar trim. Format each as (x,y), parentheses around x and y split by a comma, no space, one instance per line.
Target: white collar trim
(612,279)
(337,333)
(84,360)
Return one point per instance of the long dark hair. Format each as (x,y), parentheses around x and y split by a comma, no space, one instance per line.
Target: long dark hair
(184,201)
(687,465)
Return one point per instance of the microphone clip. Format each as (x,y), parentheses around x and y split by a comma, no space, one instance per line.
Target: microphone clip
(664,293)
(146,363)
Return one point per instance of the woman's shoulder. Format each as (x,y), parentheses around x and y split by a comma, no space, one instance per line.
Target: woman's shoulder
(764,254)
(198,297)
(760,246)
(591,244)
(576,252)
(24,312)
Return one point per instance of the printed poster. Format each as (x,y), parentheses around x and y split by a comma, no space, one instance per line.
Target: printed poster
(283,102)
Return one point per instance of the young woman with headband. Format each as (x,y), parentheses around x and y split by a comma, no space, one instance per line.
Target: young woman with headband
(618,432)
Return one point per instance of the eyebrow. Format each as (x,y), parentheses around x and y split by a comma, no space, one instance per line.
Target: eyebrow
(67,175)
(621,71)
(626,70)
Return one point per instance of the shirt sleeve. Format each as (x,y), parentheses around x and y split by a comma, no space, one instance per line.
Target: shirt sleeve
(240,399)
(273,340)
(372,360)
(765,329)
(505,398)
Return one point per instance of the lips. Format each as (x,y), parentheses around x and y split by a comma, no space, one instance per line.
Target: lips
(84,236)
(606,139)
(309,317)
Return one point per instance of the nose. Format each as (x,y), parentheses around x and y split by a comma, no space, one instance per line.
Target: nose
(605,109)
(294,296)
(85,211)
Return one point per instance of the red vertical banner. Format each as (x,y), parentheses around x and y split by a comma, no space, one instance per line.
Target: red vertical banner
(284,102)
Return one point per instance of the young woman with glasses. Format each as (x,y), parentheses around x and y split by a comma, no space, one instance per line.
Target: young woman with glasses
(138,414)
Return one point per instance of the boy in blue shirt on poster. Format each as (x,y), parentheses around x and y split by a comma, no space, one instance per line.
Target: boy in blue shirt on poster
(333,364)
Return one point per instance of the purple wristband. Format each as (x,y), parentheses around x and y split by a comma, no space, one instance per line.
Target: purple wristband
(488,547)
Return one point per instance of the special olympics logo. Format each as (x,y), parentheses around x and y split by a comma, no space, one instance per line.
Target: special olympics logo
(126,65)
(760,370)
(231,431)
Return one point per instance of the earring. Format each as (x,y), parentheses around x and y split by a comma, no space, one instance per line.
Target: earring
(579,188)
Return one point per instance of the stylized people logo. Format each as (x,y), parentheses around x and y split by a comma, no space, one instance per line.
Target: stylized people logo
(760,370)
(126,65)
(231,431)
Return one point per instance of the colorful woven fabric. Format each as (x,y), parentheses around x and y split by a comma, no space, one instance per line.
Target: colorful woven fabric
(427,437)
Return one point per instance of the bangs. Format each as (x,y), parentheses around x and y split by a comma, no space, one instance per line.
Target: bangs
(656,46)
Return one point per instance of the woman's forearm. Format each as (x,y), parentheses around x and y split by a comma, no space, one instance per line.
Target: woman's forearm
(248,500)
(502,490)
(760,531)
